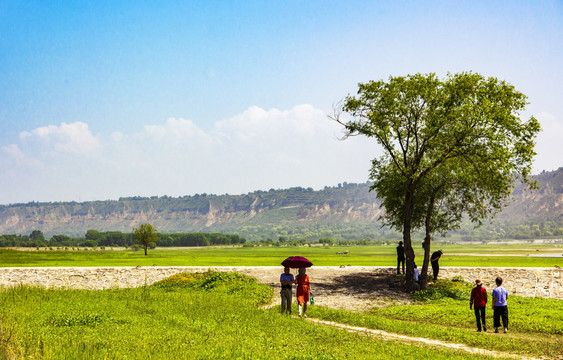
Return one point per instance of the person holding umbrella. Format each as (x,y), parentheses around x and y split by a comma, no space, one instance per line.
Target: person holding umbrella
(286,280)
(303,283)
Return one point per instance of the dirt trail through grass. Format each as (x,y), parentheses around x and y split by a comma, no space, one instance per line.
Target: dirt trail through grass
(424,341)
(359,290)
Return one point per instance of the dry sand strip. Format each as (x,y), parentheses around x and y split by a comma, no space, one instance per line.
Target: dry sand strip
(403,338)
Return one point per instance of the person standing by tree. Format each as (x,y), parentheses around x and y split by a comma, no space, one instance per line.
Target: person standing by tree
(500,307)
(479,300)
(145,235)
(286,280)
(400,257)
(434,261)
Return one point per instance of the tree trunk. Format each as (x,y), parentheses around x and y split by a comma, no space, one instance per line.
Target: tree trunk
(410,282)
(424,271)
(427,238)
(146,250)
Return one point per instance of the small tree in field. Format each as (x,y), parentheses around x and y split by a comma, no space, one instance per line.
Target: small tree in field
(145,235)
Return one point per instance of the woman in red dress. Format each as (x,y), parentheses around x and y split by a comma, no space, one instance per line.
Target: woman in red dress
(303,291)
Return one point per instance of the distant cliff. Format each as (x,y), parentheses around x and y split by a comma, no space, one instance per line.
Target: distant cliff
(296,207)
(345,203)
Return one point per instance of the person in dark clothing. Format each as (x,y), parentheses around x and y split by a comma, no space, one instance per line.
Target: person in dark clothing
(434,261)
(400,257)
(479,299)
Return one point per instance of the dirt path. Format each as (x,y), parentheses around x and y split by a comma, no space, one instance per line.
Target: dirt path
(349,288)
(428,342)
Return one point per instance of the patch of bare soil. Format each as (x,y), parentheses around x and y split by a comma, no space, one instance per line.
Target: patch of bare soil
(359,291)
(349,288)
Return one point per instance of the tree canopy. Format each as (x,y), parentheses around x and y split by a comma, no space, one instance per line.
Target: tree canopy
(451,146)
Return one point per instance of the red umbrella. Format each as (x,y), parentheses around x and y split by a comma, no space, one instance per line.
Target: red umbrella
(297,262)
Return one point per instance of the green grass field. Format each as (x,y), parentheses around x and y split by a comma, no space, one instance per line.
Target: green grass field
(497,255)
(220,316)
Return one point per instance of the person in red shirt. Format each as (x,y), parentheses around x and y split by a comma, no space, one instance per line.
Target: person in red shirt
(479,300)
(303,292)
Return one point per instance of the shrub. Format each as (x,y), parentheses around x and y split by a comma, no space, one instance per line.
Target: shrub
(135,247)
(232,283)
(89,243)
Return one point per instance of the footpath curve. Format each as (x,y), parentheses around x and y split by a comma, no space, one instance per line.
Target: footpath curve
(429,342)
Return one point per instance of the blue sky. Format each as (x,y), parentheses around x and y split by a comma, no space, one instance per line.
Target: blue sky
(119,98)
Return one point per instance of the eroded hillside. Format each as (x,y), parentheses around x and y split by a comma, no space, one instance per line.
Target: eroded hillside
(299,207)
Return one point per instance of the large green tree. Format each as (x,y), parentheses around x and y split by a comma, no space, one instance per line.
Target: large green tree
(450,146)
(145,235)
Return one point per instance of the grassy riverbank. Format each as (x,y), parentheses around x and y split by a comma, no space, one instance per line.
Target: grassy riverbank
(211,316)
(490,255)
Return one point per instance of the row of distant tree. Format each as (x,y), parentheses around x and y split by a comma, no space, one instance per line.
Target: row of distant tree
(94,238)
(351,234)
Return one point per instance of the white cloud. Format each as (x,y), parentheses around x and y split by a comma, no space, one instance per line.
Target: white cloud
(13,151)
(174,129)
(302,119)
(66,138)
(256,149)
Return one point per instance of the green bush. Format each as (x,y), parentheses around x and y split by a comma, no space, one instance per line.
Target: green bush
(89,243)
(135,247)
(232,283)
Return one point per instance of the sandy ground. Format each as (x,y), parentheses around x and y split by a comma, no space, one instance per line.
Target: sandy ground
(352,287)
